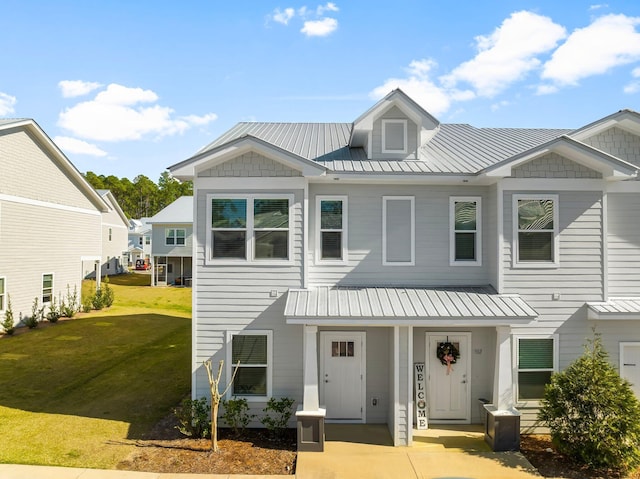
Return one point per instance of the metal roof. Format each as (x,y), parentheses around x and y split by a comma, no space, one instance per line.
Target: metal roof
(396,306)
(180,211)
(615,308)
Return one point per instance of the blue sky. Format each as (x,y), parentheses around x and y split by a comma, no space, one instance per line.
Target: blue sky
(131,87)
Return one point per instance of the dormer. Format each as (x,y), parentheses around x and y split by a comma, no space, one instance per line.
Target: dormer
(394,128)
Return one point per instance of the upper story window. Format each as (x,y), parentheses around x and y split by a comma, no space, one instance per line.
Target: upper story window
(465,242)
(251,228)
(175,236)
(536,230)
(140,241)
(394,136)
(398,230)
(147,240)
(331,228)
(537,360)
(3,293)
(47,288)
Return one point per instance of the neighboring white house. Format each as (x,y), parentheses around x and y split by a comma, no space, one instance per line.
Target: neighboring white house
(139,241)
(172,244)
(50,220)
(331,258)
(115,231)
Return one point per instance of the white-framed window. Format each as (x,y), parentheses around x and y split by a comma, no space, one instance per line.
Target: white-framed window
(253,349)
(3,293)
(175,236)
(331,229)
(147,240)
(394,136)
(398,230)
(536,359)
(47,288)
(535,230)
(110,233)
(465,226)
(251,228)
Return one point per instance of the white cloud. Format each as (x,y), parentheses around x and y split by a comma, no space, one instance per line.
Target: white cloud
(546,89)
(508,54)
(7,103)
(73,145)
(329,7)
(319,28)
(634,86)
(116,114)
(283,16)
(419,86)
(608,42)
(598,6)
(501,104)
(73,88)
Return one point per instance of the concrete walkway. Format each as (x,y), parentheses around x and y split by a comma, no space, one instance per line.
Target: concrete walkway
(354,451)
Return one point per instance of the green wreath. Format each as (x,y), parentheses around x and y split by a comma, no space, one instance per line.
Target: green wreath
(448,351)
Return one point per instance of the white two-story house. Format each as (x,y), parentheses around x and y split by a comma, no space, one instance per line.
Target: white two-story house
(332,260)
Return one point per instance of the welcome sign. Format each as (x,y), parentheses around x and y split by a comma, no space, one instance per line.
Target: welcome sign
(420,396)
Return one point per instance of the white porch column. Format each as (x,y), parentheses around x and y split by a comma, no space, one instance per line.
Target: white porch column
(503,399)
(98,267)
(311,397)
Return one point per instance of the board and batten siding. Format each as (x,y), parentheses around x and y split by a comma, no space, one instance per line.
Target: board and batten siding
(35,241)
(237,297)
(27,171)
(364,231)
(623,241)
(158,240)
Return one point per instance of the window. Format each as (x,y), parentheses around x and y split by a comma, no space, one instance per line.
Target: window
(253,228)
(140,241)
(108,261)
(394,136)
(147,240)
(253,351)
(3,293)
(47,288)
(175,236)
(465,242)
(331,233)
(110,232)
(536,362)
(536,229)
(398,230)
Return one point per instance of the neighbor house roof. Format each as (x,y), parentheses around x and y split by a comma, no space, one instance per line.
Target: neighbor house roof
(180,211)
(405,306)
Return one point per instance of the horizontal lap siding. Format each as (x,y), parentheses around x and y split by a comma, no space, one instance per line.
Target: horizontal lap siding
(431,238)
(623,245)
(158,240)
(237,297)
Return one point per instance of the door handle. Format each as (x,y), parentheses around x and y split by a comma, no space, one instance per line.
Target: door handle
(629,364)
(326,380)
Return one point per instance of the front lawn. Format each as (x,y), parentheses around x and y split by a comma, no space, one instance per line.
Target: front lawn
(74,393)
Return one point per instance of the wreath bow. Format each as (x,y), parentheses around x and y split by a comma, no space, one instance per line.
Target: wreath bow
(448,354)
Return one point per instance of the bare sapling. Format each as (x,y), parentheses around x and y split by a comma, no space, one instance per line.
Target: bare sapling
(216,397)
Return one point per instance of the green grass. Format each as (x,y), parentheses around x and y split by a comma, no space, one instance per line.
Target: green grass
(74,393)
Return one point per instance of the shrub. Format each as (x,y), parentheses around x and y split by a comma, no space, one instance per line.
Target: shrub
(69,308)
(86,304)
(8,323)
(97,300)
(194,418)
(592,412)
(54,312)
(236,414)
(107,293)
(36,315)
(282,409)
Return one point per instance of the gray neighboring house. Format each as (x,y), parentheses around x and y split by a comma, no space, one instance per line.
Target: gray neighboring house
(50,220)
(172,243)
(115,231)
(335,259)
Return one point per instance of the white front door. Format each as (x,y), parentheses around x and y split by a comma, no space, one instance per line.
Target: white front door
(630,365)
(448,387)
(342,375)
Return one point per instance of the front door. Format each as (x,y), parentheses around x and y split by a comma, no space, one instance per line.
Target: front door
(342,375)
(630,365)
(448,388)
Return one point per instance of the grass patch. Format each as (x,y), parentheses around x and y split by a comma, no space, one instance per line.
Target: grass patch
(72,393)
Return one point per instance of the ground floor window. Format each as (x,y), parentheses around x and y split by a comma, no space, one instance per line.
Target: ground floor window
(47,288)
(251,355)
(3,293)
(537,360)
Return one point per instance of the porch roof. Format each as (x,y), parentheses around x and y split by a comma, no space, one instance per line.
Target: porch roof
(615,308)
(408,306)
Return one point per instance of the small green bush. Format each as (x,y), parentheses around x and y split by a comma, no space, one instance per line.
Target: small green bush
(86,304)
(36,315)
(236,414)
(54,312)
(592,412)
(69,307)
(279,412)
(97,300)
(107,293)
(8,324)
(194,417)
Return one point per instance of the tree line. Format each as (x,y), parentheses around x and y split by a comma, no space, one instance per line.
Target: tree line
(141,197)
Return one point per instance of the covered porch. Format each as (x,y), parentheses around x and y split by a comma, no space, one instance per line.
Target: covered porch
(375,355)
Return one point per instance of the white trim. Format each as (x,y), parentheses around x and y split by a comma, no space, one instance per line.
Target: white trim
(47,204)
(416,322)
(621,347)
(412,261)
(410,373)
(452,230)
(404,124)
(250,231)
(500,219)
(605,247)
(305,236)
(4,294)
(515,254)
(175,237)
(52,287)
(343,230)
(112,225)
(255,332)
(516,351)
(623,187)
(396,386)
